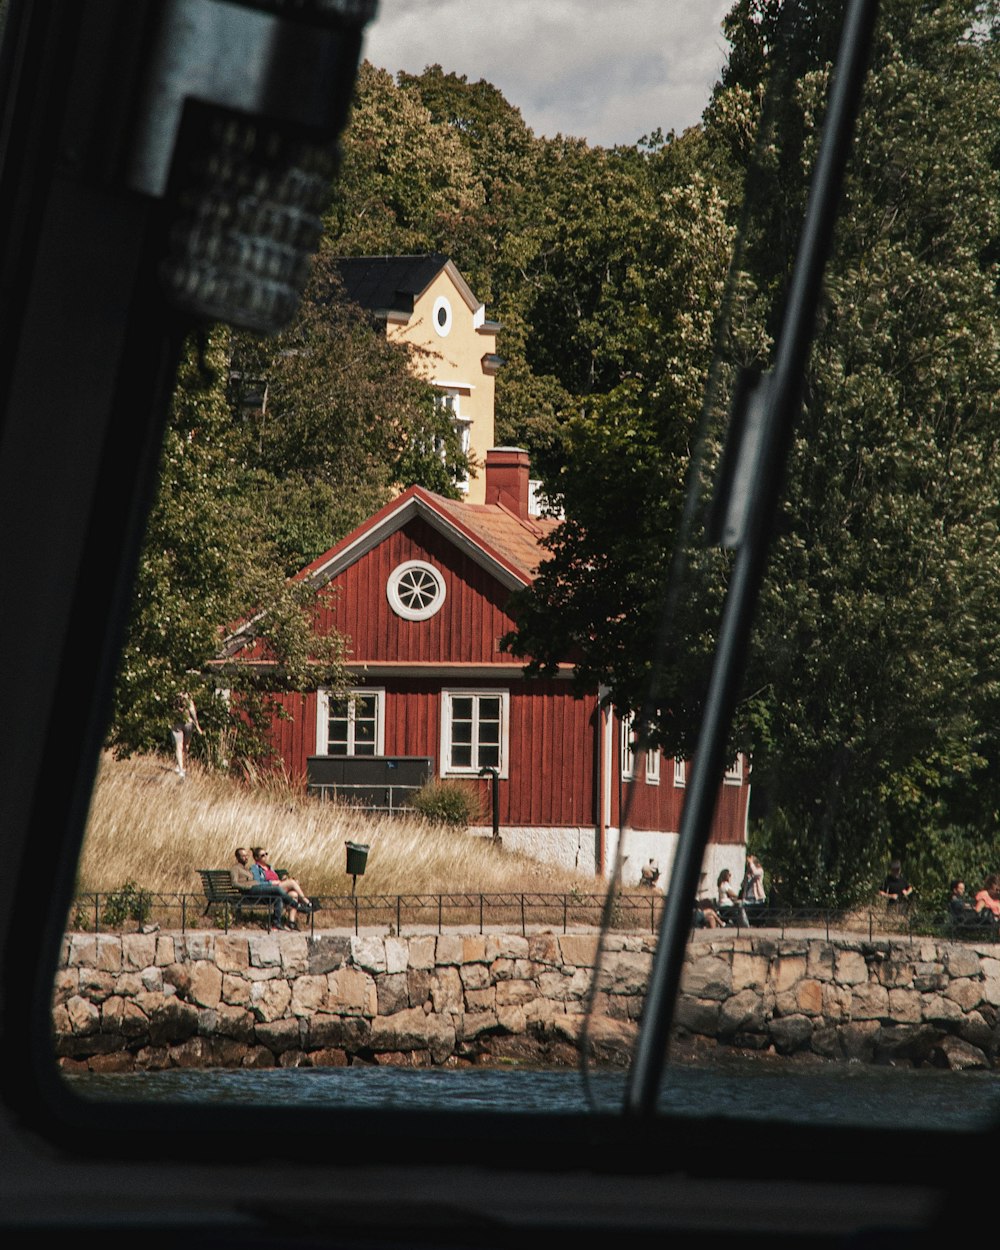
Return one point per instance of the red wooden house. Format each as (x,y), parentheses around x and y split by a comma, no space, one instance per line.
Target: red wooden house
(421,591)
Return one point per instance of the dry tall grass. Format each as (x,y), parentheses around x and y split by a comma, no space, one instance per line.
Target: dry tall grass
(148,825)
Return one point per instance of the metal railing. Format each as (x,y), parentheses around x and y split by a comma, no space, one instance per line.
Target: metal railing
(516,912)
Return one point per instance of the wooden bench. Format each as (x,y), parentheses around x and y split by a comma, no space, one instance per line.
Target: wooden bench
(220,891)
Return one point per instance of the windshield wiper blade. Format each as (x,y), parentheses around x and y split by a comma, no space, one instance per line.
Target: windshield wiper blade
(744,521)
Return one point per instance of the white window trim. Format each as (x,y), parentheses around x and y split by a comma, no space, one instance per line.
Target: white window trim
(397,604)
(626,744)
(653,766)
(323,719)
(450,693)
(733,775)
(680,772)
(442,303)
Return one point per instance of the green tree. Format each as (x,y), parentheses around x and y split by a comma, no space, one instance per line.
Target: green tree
(872,685)
(334,420)
(206,563)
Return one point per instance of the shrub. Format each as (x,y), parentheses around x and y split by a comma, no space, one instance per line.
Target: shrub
(128,902)
(448,803)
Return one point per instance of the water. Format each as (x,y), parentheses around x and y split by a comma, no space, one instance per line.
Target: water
(738,1088)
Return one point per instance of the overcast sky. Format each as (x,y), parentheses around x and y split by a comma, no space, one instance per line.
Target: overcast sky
(607,71)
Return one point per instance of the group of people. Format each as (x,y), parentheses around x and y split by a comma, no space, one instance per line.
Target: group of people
(731,906)
(254,875)
(983,911)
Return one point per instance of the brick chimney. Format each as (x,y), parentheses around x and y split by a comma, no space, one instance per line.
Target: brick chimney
(507,479)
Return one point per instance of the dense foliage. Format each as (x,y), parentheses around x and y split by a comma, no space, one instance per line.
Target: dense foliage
(873,687)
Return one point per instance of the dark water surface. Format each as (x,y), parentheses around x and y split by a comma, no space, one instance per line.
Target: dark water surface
(738,1088)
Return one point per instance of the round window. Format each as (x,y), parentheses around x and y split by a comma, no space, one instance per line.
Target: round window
(442,316)
(415,590)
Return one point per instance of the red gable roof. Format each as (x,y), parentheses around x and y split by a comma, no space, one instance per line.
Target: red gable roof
(496,538)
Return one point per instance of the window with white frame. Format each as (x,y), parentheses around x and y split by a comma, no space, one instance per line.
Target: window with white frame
(628,740)
(450,402)
(653,767)
(733,775)
(415,590)
(680,772)
(474,731)
(353,724)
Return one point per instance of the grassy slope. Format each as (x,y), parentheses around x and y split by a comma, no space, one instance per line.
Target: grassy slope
(148,825)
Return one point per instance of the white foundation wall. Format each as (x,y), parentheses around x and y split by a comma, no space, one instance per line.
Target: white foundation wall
(575,848)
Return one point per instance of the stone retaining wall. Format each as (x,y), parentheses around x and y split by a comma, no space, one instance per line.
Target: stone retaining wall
(254,999)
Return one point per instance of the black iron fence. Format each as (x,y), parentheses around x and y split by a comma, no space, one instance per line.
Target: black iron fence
(410,914)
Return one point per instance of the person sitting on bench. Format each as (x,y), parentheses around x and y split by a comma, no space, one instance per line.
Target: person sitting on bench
(264,873)
(286,908)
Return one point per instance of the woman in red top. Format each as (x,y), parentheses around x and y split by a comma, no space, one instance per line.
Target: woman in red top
(261,857)
(988,898)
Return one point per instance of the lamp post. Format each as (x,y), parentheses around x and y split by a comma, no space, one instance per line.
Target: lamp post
(494,776)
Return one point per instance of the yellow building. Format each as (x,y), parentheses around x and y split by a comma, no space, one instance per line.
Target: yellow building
(425,301)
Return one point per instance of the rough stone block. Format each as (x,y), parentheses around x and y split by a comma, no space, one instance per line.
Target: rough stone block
(448,949)
(905,1006)
(308,995)
(790,1033)
(480,1001)
(940,1010)
(514,993)
(543,948)
(352,992)
(422,952)
(707,977)
(579,949)
(858,1039)
(809,997)
(869,1002)
(232,953)
(270,1000)
(697,1015)
(235,990)
(744,1012)
(749,970)
(327,953)
(368,953)
(392,993)
(475,976)
(279,1035)
(960,962)
(206,984)
(964,991)
(397,953)
(787,971)
(346,1033)
(850,968)
(447,993)
(414,1030)
(959,1055)
(264,950)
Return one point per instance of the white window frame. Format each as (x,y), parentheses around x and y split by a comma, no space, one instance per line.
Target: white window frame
(323,699)
(403,609)
(680,772)
(653,766)
(446,768)
(733,775)
(450,399)
(627,746)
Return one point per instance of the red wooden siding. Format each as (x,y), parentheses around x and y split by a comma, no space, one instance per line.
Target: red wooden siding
(466,628)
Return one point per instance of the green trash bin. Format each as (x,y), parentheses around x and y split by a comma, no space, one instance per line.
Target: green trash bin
(357,858)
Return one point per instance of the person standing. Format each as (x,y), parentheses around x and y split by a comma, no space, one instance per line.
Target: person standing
(895,888)
(753,882)
(182,727)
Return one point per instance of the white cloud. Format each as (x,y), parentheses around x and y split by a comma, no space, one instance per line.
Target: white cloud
(608,72)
